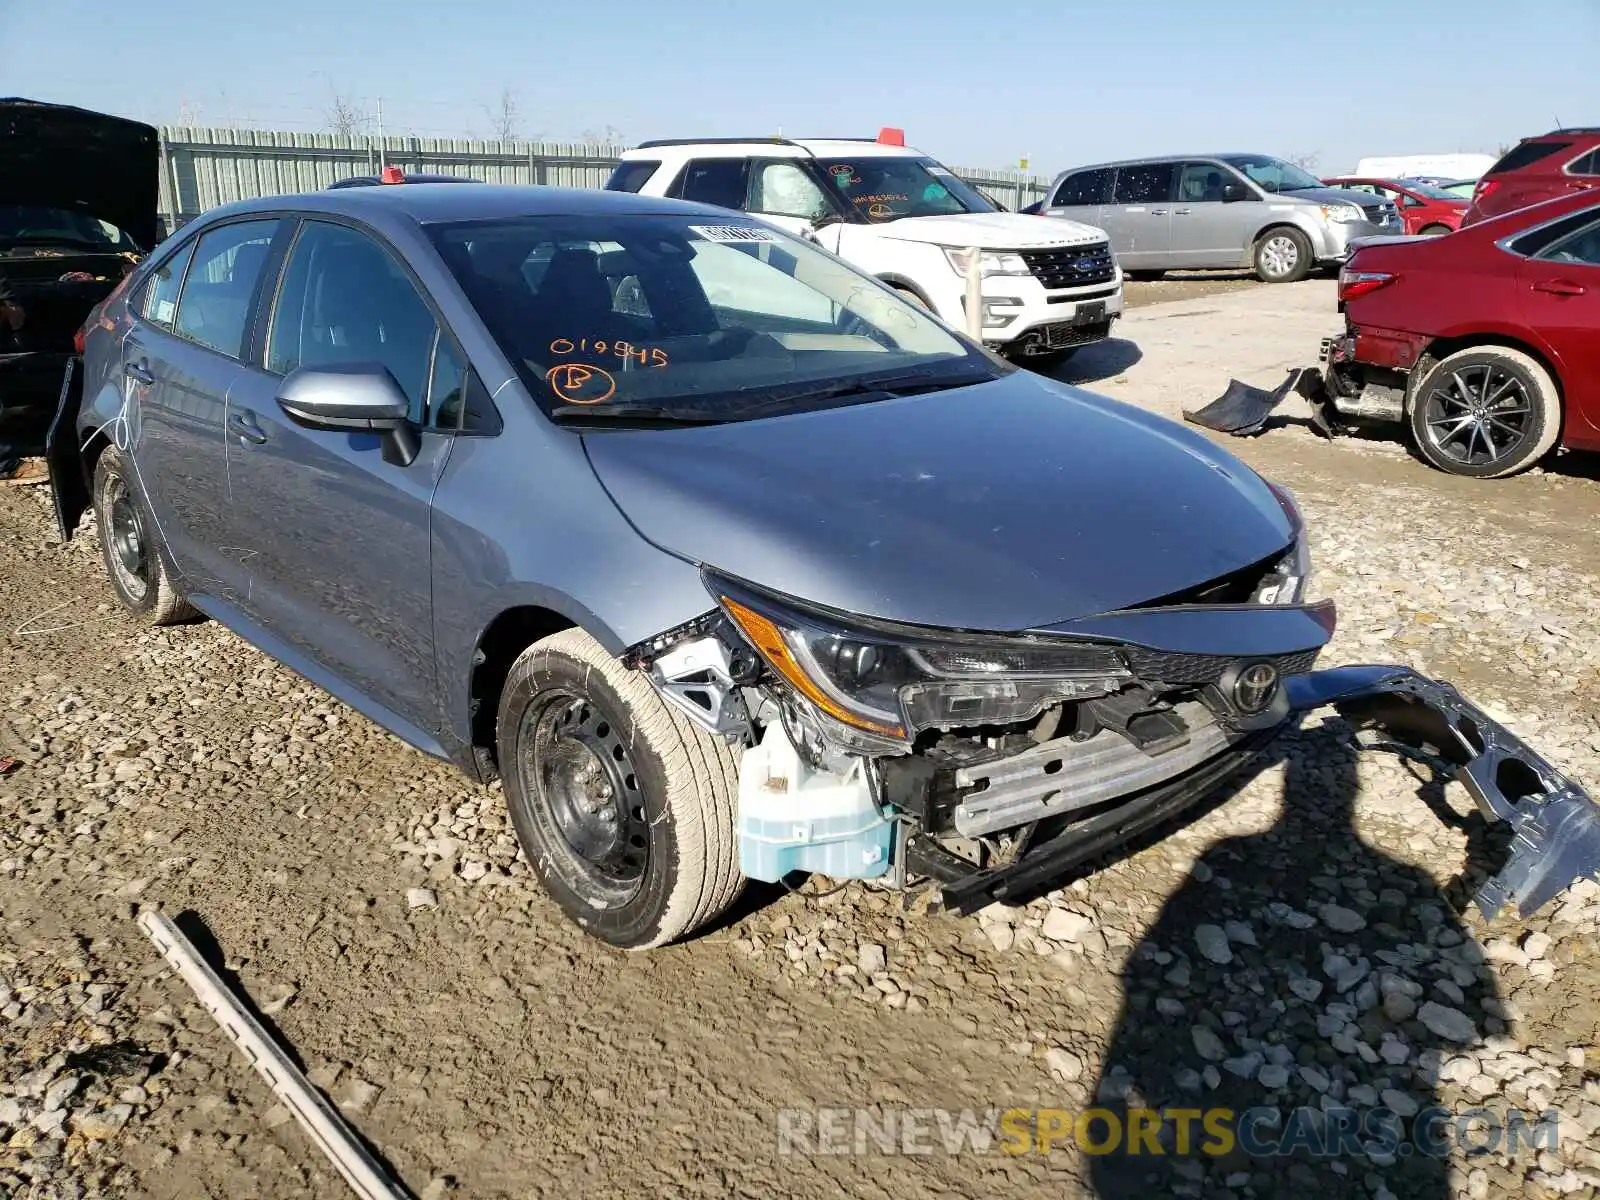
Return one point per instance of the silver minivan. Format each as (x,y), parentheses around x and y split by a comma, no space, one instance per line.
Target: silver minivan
(1218,211)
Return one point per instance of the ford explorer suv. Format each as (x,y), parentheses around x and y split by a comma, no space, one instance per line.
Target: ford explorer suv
(1219,211)
(557,485)
(909,222)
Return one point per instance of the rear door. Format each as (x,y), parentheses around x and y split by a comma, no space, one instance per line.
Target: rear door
(1560,294)
(1139,217)
(333,540)
(179,360)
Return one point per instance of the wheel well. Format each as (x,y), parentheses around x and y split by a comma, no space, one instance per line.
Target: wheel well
(507,636)
(1266,229)
(1437,351)
(900,283)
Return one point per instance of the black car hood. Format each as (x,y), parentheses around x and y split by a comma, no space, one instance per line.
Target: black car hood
(57,156)
(1002,506)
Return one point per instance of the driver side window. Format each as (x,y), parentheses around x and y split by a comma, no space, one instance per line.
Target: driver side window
(783,189)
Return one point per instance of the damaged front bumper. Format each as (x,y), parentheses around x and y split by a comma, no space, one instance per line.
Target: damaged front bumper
(1555,825)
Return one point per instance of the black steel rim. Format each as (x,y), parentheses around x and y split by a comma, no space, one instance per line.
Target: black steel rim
(128,546)
(584,790)
(1478,415)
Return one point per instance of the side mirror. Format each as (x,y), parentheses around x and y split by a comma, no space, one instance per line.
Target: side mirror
(1234,192)
(353,398)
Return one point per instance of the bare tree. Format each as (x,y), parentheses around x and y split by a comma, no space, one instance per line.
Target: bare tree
(609,136)
(1306,161)
(505,116)
(345,116)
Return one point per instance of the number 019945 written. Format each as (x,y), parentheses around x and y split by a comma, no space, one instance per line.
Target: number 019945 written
(646,356)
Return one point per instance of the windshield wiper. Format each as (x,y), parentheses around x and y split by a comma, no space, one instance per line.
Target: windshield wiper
(649,414)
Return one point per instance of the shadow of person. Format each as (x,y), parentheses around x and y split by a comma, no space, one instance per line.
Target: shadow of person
(1310,985)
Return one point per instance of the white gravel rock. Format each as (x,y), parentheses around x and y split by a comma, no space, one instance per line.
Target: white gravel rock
(1449,1023)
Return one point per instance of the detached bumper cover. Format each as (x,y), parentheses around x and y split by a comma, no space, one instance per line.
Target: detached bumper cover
(1244,410)
(1555,824)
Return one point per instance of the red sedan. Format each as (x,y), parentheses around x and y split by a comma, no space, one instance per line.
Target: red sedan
(1425,209)
(1486,343)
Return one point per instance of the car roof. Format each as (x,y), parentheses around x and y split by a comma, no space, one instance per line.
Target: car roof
(426,203)
(1163,158)
(770,147)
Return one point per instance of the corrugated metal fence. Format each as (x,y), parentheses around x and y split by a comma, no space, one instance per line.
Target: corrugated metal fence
(202,168)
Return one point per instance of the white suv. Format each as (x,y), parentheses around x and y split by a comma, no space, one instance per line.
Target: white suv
(894,213)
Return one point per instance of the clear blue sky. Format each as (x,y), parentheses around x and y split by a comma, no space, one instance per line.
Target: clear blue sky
(976,84)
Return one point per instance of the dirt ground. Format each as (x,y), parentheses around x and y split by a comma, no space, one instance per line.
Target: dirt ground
(373,903)
(1184,285)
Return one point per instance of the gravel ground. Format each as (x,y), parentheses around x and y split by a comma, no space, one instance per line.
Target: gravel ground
(1306,941)
(1185,285)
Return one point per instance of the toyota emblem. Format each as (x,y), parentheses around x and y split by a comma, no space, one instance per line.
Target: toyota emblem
(1253,688)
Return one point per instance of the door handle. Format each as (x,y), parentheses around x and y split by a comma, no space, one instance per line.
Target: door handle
(138,372)
(1158,212)
(1559,287)
(243,425)
(1182,212)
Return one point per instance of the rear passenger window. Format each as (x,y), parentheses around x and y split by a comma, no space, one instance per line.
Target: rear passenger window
(1582,248)
(631,176)
(159,304)
(214,309)
(344,300)
(719,181)
(1525,155)
(1589,164)
(1086,187)
(1150,184)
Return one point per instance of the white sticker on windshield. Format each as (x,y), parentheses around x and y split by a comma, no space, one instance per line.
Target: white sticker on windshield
(941,171)
(733,233)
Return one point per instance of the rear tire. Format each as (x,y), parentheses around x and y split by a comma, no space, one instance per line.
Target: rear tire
(130,545)
(1283,255)
(1485,412)
(624,807)
(1144,276)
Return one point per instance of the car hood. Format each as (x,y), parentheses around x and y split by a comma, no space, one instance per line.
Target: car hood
(992,231)
(1001,506)
(1334,195)
(57,156)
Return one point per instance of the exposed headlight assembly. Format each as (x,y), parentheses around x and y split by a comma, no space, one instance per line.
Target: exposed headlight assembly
(990,262)
(1344,214)
(890,681)
(1286,583)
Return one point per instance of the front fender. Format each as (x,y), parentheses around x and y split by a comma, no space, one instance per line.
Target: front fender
(1555,823)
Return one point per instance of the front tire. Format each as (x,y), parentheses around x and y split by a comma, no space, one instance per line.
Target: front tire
(1283,255)
(1485,412)
(1434,230)
(129,543)
(624,807)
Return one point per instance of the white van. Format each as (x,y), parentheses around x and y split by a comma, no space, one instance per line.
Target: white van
(1434,166)
(1048,287)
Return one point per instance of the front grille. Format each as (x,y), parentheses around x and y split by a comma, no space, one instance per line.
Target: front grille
(1072,267)
(1060,334)
(1195,670)
(1384,214)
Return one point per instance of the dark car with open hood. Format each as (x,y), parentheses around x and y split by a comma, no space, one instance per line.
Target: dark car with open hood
(726,559)
(78,199)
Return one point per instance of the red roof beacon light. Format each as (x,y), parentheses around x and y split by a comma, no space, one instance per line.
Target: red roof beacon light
(889,136)
(392,175)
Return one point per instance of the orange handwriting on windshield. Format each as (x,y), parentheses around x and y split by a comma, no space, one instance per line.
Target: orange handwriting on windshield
(577,383)
(646,356)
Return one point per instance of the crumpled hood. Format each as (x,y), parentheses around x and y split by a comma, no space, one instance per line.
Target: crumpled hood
(993,231)
(57,156)
(1003,506)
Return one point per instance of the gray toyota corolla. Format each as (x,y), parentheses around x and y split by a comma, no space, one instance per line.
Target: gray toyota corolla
(729,562)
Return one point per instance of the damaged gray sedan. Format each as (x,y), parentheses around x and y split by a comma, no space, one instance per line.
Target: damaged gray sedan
(729,562)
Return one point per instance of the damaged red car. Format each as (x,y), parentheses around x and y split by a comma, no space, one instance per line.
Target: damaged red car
(78,201)
(1485,344)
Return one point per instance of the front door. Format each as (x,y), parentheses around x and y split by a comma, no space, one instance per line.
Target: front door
(333,540)
(1206,231)
(1139,217)
(1560,296)
(179,361)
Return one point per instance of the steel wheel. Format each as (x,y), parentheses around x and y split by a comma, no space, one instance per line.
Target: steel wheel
(582,778)
(129,555)
(130,545)
(1477,415)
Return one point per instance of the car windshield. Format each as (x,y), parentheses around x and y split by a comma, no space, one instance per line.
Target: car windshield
(1431,190)
(26,225)
(886,188)
(1272,174)
(692,318)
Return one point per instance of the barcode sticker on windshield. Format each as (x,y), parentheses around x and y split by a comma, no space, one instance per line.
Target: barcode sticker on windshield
(733,233)
(936,170)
